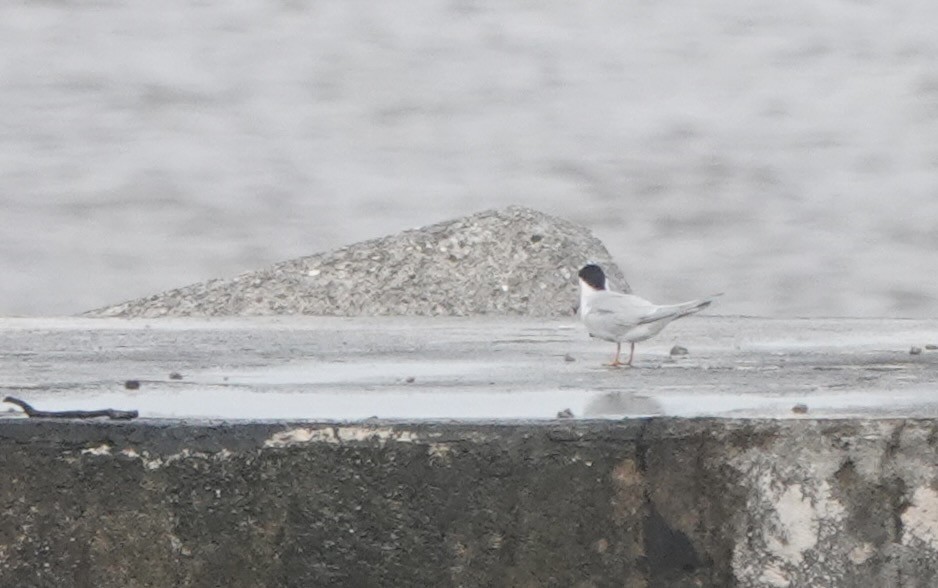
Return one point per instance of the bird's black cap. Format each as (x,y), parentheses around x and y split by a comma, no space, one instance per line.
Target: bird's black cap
(594,276)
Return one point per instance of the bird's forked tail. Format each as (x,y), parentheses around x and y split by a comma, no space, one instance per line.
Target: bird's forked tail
(693,306)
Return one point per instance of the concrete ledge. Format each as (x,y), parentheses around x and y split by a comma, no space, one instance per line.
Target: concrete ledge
(410,368)
(648,502)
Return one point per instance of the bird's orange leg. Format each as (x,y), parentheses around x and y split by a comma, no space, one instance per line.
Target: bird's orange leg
(616,362)
(631,355)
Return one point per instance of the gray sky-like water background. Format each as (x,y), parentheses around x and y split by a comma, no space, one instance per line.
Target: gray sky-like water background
(785,153)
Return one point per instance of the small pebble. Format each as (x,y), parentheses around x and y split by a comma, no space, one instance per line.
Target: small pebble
(411,380)
(915,350)
(678,350)
(800,408)
(931,347)
(132,384)
(569,357)
(565,414)
(175,376)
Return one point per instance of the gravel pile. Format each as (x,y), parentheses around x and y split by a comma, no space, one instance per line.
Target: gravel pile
(513,261)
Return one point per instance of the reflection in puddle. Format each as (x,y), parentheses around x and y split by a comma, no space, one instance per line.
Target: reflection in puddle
(620,404)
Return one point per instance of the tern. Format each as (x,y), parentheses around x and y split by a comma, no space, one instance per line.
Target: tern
(617,317)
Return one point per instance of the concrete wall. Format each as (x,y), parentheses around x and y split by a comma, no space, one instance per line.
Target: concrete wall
(656,502)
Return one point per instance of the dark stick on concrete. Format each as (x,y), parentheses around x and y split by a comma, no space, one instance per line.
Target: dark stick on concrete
(122,415)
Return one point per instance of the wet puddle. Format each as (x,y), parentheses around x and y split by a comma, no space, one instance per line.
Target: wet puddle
(240,403)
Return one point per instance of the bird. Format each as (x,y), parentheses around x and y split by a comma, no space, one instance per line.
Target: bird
(617,317)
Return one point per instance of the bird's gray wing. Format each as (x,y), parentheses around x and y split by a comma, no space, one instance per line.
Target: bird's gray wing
(660,313)
(625,310)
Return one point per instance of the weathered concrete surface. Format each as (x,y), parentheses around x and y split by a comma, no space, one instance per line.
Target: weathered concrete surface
(514,261)
(469,368)
(649,502)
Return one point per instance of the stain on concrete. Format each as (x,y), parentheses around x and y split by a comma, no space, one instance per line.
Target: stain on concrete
(669,553)
(345,434)
(873,506)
